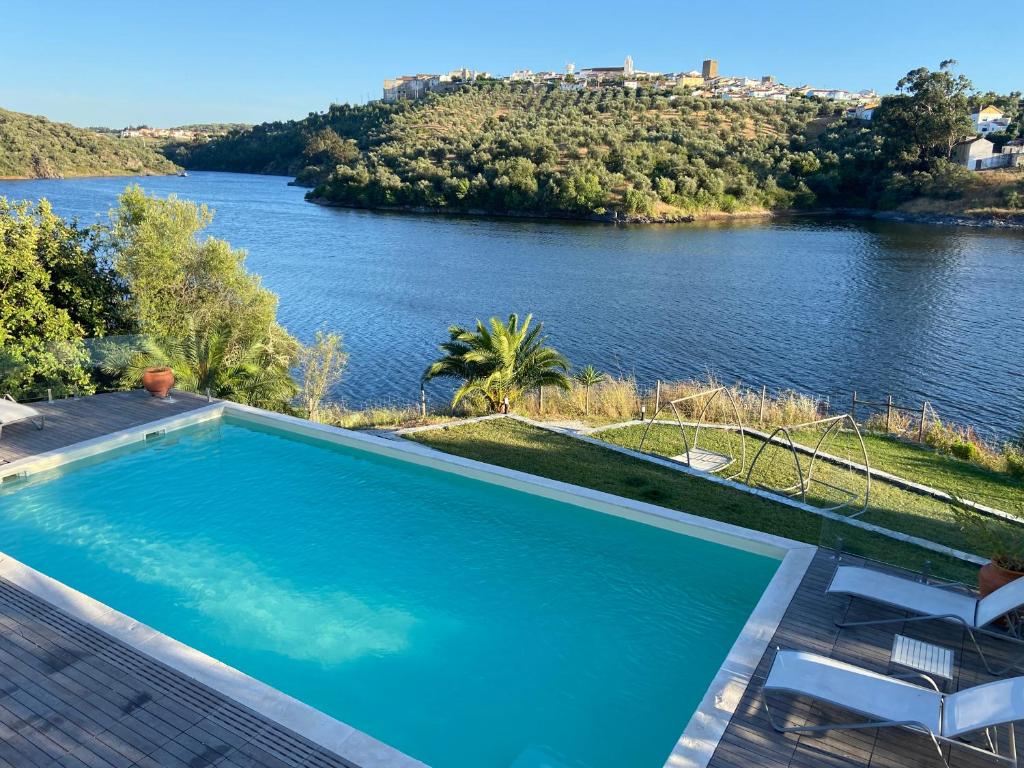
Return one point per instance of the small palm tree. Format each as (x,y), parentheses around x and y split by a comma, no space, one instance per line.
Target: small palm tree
(256,374)
(499,361)
(587,378)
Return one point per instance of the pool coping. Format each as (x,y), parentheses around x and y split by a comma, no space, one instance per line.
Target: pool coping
(693,749)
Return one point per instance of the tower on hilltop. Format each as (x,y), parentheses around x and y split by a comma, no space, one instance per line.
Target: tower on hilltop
(627,68)
(710,69)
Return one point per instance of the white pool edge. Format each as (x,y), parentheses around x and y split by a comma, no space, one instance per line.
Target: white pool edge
(695,746)
(709,722)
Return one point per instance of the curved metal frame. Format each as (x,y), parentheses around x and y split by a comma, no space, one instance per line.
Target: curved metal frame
(700,423)
(834,425)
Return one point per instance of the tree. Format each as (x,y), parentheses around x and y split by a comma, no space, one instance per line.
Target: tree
(83,281)
(174,276)
(40,345)
(321,364)
(499,361)
(190,293)
(926,119)
(587,378)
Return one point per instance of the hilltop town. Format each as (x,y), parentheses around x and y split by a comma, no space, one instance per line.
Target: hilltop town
(707,83)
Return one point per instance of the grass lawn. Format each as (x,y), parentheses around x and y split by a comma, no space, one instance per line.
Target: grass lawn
(923,465)
(889,506)
(515,445)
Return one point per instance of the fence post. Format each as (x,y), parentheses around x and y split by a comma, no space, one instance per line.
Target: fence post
(920,427)
(888,413)
(853,407)
(540,400)
(760,413)
(657,395)
(423,402)
(49,395)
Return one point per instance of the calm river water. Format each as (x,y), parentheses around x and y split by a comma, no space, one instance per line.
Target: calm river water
(820,306)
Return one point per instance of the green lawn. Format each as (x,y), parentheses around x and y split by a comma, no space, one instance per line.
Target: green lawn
(923,465)
(519,446)
(889,506)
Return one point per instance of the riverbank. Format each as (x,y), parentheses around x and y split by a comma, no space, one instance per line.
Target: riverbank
(612,217)
(65,176)
(993,221)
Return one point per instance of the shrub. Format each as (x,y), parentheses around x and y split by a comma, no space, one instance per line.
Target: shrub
(1014,461)
(965,450)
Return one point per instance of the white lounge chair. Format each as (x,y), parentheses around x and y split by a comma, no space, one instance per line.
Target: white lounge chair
(930,602)
(11,412)
(892,702)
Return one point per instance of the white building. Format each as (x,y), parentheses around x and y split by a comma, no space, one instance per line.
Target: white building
(974,153)
(865,111)
(989,120)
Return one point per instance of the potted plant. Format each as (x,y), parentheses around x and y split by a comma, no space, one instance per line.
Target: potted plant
(1002,543)
(158,380)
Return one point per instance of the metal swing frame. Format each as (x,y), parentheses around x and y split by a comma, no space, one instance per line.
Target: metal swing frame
(711,394)
(835,423)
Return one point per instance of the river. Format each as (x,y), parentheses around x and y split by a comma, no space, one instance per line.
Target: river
(820,306)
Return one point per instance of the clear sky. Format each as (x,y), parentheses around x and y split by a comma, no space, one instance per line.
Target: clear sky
(118,63)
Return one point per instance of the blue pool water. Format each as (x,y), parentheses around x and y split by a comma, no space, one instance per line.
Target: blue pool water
(466,624)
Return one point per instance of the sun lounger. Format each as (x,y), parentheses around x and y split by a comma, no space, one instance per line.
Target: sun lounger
(884,702)
(11,412)
(929,602)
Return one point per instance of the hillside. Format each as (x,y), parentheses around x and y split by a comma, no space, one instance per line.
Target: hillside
(36,148)
(499,148)
(616,153)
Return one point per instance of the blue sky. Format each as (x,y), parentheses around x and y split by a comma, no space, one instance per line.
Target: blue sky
(118,63)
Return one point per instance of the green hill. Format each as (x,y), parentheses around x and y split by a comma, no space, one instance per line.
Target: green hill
(504,148)
(36,148)
(632,154)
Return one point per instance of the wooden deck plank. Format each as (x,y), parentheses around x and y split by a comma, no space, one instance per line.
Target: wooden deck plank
(76,419)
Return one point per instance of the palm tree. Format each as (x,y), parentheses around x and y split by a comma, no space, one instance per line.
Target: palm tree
(255,374)
(588,377)
(499,361)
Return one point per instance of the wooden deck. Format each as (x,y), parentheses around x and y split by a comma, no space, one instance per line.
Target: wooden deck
(76,419)
(809,624)
(71,696)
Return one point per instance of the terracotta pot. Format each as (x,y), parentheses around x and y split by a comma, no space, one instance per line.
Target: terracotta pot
(991,577)
(158,380)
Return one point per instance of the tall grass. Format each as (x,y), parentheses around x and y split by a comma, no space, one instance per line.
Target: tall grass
(620,399)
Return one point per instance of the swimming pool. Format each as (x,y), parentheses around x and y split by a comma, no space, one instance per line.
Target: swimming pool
(463,622)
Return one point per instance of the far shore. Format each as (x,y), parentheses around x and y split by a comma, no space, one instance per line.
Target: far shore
(1014,221)
(85,176)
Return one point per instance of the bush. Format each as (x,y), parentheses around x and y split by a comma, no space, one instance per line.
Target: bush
(965,450)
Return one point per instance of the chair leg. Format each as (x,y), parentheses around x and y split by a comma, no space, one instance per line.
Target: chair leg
(1018,660)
